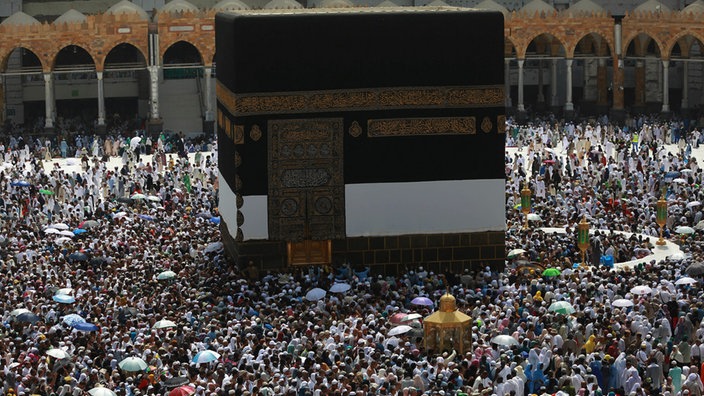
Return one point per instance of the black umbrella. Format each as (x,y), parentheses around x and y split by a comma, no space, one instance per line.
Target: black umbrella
(97,261)
(130,311)
(59,364)
(78,256)
(176,381)
(125,200)
(28,317)
(695,269)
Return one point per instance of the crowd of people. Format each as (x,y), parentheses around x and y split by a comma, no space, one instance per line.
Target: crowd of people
(115,261)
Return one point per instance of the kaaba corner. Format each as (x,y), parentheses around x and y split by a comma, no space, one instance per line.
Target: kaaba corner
(368,136)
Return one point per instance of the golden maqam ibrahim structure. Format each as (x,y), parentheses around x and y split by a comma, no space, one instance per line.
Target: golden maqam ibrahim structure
(113,61)
(447,328)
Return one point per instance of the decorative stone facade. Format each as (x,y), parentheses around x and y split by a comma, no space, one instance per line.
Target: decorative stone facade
(605,51)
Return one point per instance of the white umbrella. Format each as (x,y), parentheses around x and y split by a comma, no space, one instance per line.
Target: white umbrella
(214,247)
(686,171)
(60,226)
(677,256)
(18,311)
(163,324)
(138,196)
(505,340)
(684,230)
(685,280)
(134,142)
(132,364)
(119,215)
(51,230)
(62,240)
(693,204)
(101,391)
(641,290)
(67,233)
(411,316)
(340,288)
(679,180)
(315,294)
(398,330)
(58,353)
(622,303)
(700,225)
(515,252)
(534,217)
(65,290)
(153,198)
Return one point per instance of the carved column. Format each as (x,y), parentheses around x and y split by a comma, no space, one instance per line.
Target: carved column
(209,115)
(101,99)
(568,95)
(520,106)
(665,86)
(49,100)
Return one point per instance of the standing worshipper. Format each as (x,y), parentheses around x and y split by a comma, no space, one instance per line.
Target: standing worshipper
(676,375)
(64,148)
(187,182)
(654,372)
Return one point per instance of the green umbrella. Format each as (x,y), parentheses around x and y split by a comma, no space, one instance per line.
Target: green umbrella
(561,307)
(46,192)
(551,272)
(166,275)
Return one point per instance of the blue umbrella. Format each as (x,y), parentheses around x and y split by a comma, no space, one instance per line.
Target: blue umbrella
(85,326)
(78,256)
(20,183)
(73,319)
(146,217)
(28,317)
(79,231)
(422,301)
(206,356)
(215,220)
(671,175)
(64,299)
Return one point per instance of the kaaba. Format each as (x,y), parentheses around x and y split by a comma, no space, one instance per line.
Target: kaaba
(373,137)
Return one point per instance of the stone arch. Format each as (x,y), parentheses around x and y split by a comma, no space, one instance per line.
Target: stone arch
(682,35)
(6,56)
(545,43)
(79,49)
(103,58)
(171,45)
(641,45)
(594,42)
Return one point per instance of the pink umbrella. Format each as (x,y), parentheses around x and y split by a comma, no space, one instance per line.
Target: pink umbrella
(397,317)
(185,390)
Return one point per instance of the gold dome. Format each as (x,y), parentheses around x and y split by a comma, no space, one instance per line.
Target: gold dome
(448,303)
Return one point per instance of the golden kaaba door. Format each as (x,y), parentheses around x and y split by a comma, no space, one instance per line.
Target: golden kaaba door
(306,197)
